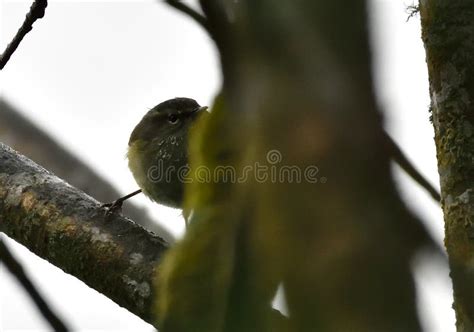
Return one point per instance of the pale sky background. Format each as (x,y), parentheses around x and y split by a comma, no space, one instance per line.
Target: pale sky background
(88,72)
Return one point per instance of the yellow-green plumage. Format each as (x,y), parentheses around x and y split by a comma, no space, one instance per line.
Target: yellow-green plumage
(157,153)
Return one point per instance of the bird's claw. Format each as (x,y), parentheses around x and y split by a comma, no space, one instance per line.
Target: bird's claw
(116,206)
(113,207)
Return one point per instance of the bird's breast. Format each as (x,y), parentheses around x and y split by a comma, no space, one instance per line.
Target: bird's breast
(156,168)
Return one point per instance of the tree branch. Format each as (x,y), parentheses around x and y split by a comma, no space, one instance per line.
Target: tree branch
(65,226)
(36,12)
(399,157)
(218,25)
(17,270)
(182,7)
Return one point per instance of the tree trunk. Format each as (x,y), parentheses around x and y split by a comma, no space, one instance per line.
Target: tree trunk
(448,35)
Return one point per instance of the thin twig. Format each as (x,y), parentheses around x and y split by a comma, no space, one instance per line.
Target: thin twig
(17,270)
(412,11)
(182,7)
(36,12)
(402,160)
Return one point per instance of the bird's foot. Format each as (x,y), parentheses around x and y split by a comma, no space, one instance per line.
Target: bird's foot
(116,206)
(113,207)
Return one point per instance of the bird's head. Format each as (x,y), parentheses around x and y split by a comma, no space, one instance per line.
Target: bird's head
(173,117)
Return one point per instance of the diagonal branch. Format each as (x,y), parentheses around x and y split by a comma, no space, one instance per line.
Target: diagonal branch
(17,270)
(218,25)
(36,12)
(399,157)
(68,228)
(182,7)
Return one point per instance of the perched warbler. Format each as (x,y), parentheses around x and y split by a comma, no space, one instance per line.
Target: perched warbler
(158,151)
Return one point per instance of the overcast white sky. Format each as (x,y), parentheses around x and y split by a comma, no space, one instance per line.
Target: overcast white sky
(89,71)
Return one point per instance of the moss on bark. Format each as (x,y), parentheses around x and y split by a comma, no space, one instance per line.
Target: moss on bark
(69,229)
(448,36)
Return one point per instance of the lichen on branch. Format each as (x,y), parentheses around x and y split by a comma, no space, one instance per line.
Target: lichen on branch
(68,228)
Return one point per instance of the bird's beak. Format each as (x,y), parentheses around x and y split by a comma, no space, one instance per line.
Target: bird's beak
(198,111)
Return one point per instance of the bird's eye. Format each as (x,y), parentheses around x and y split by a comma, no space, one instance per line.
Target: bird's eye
(173,119)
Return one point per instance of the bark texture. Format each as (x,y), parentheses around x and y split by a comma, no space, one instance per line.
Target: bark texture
(68,228)
(448,36)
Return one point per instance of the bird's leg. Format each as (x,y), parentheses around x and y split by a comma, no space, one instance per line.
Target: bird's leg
(116,206)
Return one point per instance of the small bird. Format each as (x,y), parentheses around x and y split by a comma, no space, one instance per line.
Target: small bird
(158,151)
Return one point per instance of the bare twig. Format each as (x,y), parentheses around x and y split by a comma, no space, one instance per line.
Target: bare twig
(17,270)
(412,11)
(182,7)
(401,159)
(36,12)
